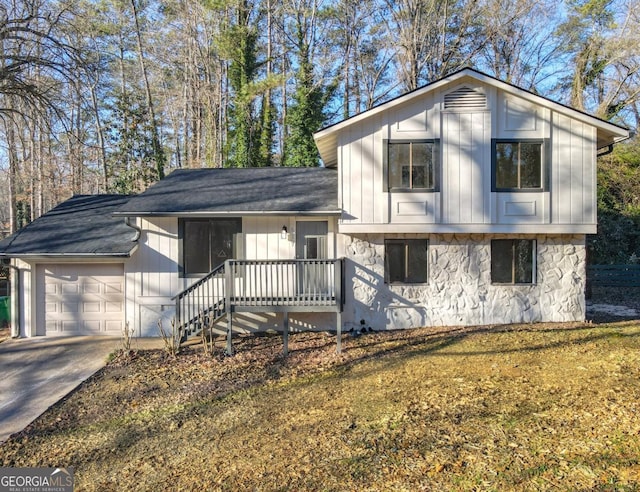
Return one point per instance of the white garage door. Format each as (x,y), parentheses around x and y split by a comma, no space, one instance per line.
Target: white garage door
(81,299)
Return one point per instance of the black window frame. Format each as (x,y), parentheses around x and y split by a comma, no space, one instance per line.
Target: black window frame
(435,162)
(545,159)
(498,257)
(406,276)
(212,263)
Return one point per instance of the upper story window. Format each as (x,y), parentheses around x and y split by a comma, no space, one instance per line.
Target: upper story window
(518,165)
(411,165)
(207,243)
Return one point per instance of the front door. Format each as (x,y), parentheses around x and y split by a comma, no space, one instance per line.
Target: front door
(311,244)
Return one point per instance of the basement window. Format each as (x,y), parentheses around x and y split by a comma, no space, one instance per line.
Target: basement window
(405,261)
(513,261)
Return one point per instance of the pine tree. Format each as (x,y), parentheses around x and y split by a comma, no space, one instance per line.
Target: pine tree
(306,113)
(240,42)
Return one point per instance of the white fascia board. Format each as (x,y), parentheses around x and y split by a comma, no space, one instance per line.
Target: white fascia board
(467,229)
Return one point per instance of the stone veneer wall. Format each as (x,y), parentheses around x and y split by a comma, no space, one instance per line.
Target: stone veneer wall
(459,289)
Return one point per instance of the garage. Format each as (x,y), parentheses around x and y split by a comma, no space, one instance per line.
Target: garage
(81,298)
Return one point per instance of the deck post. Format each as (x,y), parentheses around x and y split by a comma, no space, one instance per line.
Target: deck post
(229,349)
(285,333)
(338,279)
(338,332)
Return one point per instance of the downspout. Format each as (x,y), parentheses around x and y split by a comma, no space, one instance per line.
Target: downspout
(127,221)
(606,152)
(15,299)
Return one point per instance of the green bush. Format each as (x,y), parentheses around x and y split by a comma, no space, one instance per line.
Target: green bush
(618,238)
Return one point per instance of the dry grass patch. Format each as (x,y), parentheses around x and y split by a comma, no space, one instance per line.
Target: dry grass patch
(5,333)
(536,407)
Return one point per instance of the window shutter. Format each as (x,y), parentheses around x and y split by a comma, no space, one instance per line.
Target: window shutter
(465,98)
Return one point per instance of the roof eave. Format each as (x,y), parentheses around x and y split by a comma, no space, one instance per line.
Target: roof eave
(84,256)
(223,213)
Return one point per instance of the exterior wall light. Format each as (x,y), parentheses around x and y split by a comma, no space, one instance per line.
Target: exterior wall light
(283,233)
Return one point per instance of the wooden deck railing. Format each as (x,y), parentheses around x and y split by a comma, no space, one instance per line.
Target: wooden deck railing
(261,285)
(205,297)
(294,284)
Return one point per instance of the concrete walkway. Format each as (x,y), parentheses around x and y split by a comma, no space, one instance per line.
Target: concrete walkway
(37,372)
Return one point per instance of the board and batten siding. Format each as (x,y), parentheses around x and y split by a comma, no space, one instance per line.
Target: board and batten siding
(262,239)
(466,167)
(465,201)
(573,174)
(360,161)
(152,277)
(519,119)
(361,171)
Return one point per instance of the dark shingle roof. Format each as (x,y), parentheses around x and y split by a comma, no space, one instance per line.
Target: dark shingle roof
(239,190)
(80,226)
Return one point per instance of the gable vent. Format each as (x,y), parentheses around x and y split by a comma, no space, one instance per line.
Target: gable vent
(465,98)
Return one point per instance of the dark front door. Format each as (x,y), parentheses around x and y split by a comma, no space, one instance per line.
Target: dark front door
(311,244)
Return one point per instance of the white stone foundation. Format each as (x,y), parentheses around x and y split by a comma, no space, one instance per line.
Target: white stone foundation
(459,289)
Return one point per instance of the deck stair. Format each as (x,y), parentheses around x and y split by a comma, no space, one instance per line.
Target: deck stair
(204,299)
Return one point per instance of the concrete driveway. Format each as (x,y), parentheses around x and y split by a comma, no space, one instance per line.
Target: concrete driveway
(37,372)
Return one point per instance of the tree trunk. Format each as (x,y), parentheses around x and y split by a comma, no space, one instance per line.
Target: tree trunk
(100,135)
(155,137)
(13,173)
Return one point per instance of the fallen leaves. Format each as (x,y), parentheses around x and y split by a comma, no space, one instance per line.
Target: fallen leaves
(518,408)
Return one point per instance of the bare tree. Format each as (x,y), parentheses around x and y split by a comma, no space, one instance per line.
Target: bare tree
(521,47)
(35,63)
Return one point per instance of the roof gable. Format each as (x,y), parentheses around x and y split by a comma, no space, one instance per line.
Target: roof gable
(327,138)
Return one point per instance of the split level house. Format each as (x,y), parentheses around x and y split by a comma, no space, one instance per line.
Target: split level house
(465,202)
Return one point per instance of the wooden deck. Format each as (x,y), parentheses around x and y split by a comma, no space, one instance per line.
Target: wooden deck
(281,286)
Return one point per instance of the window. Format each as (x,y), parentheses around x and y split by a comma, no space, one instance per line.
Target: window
(411,165)
(206,243)
(513,261)
(405,261)
(518,165)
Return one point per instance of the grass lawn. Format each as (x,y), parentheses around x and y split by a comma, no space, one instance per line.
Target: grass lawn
(530,407)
